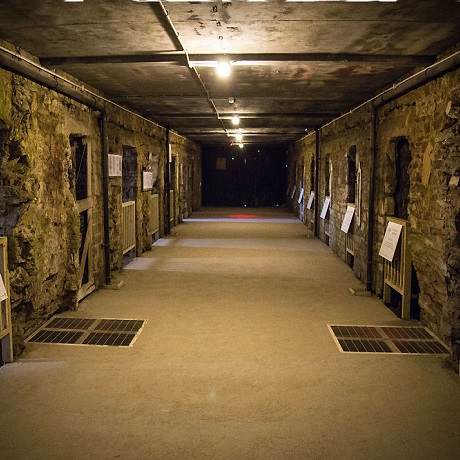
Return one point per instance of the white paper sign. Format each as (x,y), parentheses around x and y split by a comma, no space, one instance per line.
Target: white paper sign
(293,192)
(390,241)
(3,294)
(147,180)
(347,219)
(327,202)
(301,196)
(115,165)
(310,200)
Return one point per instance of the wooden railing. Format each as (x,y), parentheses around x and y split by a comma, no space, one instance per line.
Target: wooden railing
(350,244)
(154,214)
(6,342)
(129,226)
(397,273)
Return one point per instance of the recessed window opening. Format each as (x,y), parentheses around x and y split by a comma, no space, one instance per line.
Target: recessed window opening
(78,174)
(351,176)
(301,175)
(403,159)
(312,174)
(327,176)
(129,171)
(359,195)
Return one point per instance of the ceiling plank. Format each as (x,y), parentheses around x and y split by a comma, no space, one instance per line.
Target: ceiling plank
(237,59)
(229,116)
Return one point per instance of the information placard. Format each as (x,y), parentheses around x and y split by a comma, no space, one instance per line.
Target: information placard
(347,219)
(300,196)
(147,180)
(390,241)
(115,165)
(310,200)
(3,294)
(327,202)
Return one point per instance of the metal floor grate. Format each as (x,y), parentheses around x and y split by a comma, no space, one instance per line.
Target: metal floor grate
(88,331)
(413,340)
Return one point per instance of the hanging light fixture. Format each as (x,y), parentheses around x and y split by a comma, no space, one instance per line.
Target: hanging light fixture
(236,120)
(239,137)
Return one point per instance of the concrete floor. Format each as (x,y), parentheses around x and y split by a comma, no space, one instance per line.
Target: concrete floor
(235,362)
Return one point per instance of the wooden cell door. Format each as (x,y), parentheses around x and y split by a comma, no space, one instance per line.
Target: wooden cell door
(83,194)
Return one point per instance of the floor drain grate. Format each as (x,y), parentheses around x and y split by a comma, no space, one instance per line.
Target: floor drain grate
(413,340)
(89,331)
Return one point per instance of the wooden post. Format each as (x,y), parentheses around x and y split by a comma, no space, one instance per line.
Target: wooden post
(6,340)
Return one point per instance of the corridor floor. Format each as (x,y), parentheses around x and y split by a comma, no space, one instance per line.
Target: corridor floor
(235,361)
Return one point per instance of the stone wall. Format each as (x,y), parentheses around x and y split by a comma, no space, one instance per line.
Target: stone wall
(187,186)
(336,141)
(39,210)
(126,132)
(427,119)
(301,154)
(38,207)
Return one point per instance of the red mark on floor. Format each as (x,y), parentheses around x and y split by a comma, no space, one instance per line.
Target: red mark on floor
(242,216)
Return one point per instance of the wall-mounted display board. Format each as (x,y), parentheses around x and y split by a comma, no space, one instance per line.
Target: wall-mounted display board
(347,219)
(301,196)
(6,342)
(390,241)
(326,204)
(310,200)
(3,293)
(147,180)
(115,165)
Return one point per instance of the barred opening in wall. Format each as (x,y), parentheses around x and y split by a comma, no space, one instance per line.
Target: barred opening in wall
(79,175)
(80,183)
(129,173)
(84,233)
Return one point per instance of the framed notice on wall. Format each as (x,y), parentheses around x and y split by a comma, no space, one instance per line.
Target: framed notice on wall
(147,180)
(300,196)
(390,241)
(3,294)
(347,219)
(115,165)
(310,200)
(327,202)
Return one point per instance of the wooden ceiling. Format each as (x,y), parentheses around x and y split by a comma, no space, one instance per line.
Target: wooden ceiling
(295,65)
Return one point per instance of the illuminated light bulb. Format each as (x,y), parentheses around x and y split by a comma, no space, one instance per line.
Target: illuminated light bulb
(224,69)
(236,120)
(239,137)
(241,145)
